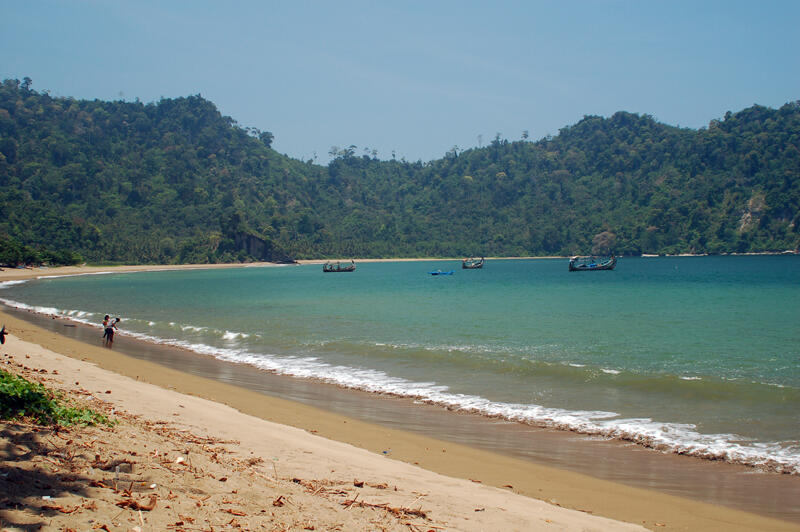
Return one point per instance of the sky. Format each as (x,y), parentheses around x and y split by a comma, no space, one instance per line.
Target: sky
(412,79)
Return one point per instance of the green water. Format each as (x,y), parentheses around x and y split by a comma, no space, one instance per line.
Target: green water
(693,354)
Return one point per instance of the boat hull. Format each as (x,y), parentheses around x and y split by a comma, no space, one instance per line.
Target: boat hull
(471,264)
(338,268)
(608,265)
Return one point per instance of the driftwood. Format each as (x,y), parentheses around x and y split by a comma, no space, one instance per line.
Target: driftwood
(62,509)
(397,512)
(135,505)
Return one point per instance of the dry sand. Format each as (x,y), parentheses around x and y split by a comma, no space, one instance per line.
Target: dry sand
(311,470)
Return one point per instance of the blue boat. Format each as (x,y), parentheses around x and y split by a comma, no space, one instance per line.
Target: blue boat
(440,272)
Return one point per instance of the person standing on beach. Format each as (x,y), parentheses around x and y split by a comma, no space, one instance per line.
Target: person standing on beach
(108,330)
(111,330)
(3,334)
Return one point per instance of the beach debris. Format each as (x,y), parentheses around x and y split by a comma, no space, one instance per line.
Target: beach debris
(62,509)
(233,512)
(279,501)
(358,483)
(398,512)
(480,509)
(120,465)
(348,504)
(136,505)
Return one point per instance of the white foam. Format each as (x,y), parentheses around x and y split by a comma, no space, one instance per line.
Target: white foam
(231,335)
(6,284)
(669,437)
(610,371)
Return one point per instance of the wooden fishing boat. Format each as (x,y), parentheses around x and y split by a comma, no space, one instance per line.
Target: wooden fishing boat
(588,264)
(337,267)
(472,263)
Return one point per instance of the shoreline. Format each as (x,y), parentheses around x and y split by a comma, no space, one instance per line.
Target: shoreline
(102,369)
(275,456)
(570,489)
(735,453)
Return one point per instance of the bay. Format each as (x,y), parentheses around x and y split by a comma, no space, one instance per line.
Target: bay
(693,355)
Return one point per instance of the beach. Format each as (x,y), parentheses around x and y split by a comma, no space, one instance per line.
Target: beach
(457,487)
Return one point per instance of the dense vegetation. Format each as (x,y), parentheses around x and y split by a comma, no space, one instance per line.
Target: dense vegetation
(23,399)
(175,181)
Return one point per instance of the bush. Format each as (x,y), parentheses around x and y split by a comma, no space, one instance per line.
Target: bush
(22,399)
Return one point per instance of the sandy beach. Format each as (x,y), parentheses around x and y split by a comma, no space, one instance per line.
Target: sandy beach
(286,466)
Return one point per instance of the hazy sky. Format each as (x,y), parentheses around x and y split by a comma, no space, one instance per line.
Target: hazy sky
(416,77)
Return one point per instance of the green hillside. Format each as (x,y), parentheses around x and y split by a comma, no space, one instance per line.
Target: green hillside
(175,181)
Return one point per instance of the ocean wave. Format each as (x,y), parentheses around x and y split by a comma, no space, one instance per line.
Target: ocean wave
(38,309)
(232,335)
(6,284)
(666,437)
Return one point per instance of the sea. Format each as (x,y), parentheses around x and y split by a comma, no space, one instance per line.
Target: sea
(695,356)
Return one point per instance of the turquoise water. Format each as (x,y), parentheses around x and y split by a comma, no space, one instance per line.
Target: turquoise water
(696,355)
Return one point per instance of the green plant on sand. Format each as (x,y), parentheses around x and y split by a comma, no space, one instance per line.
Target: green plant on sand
(23,399)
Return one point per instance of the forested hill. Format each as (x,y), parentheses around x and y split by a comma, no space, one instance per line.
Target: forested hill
(175,181)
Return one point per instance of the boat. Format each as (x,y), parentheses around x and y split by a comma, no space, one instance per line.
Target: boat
(472,263)
(331,267)
(588,264)
(440,272)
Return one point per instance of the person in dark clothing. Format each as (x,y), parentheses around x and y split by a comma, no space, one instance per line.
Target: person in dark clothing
(108,330)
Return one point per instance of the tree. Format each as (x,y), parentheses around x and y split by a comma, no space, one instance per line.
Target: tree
(123,181)
(266,137)
(604,243)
